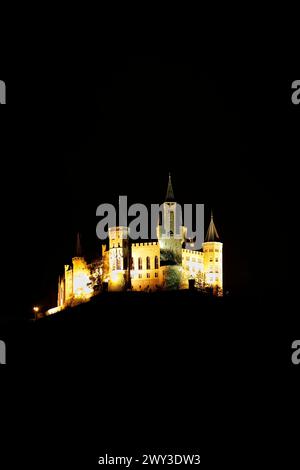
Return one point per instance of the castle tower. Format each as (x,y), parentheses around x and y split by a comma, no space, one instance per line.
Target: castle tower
(170,232)
(81,274)
(119,258)
(213,258)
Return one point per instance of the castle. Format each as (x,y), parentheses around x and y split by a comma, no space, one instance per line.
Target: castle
(163,264)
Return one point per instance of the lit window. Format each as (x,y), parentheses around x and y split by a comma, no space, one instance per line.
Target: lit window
(140,263)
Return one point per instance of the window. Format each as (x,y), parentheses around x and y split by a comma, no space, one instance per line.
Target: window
(171,222)
(156,274)
(188,258)
(140,276)
(148,262)
(148,275)
(140,263)
(217,260)
(156,262)
(132,263)
(118,263)
(210,260)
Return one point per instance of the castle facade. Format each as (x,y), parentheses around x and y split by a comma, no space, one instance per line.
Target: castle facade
(162,264)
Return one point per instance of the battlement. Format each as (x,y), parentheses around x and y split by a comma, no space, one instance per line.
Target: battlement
(192,252)
(145,244)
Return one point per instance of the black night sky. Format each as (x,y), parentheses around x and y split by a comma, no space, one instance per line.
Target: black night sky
(80,130)
(104,127)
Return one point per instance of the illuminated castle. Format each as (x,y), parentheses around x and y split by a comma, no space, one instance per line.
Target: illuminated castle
(163,264)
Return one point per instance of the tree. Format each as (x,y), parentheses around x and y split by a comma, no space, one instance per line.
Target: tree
(172,278)
(200,281)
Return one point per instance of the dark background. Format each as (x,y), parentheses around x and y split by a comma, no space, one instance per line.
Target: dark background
(83,129)
(92,130)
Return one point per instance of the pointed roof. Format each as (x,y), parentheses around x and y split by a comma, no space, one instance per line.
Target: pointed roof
(78,251)
(212,233)
(170,193)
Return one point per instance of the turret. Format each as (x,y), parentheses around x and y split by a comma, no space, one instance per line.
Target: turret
(213,258)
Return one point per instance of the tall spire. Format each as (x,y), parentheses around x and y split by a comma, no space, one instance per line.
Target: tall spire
(78,246)
(170,193)
(212,234)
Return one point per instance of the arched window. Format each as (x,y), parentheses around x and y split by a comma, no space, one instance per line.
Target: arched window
(156,262)
(140,262)
(148,262)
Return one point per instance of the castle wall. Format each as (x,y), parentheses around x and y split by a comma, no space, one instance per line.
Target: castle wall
(192,262)
(68,283)
(61,292)
(145,268)
(105,263)
(81,278)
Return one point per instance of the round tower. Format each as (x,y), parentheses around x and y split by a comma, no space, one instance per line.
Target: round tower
(119,257)
(213,259)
